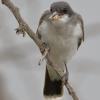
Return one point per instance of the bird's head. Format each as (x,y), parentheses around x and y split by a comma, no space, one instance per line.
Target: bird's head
(60,9)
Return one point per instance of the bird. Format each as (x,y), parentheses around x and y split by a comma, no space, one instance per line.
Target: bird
(62,30)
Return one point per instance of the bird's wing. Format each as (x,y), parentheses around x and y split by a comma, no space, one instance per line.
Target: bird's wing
(82,26)
(44,15)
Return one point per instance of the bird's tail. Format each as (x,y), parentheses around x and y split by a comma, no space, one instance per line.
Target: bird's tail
(53,84)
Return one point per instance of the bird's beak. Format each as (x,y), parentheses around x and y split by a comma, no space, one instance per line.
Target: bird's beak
(54,16)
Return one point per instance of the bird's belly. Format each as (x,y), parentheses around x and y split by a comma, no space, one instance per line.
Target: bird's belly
(62,45)
(63,49)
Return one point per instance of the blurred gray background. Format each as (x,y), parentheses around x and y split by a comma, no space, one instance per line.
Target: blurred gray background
(20,76)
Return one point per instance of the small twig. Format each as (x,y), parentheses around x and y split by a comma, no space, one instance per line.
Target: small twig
(24,28)
(71,91)
(20,30)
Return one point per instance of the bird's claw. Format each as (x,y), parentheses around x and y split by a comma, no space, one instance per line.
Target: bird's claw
(65,78)
(41,60)
(44,55)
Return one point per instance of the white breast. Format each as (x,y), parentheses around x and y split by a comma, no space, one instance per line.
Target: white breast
(63,42)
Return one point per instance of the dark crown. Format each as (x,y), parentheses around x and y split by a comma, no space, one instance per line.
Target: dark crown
(61,7)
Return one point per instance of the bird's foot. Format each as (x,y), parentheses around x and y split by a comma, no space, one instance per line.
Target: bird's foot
(65,78)
(44,55)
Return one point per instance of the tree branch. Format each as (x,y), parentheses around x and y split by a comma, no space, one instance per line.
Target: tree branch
(71,91)
(22,24)
(24,28)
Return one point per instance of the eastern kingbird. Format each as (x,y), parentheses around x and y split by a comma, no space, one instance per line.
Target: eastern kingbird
(62,30)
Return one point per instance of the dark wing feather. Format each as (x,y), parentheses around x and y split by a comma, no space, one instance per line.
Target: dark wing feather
(82,26)
(43,17)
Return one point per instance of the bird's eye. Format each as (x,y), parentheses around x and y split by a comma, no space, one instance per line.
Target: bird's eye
(65,10)
(51,10)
